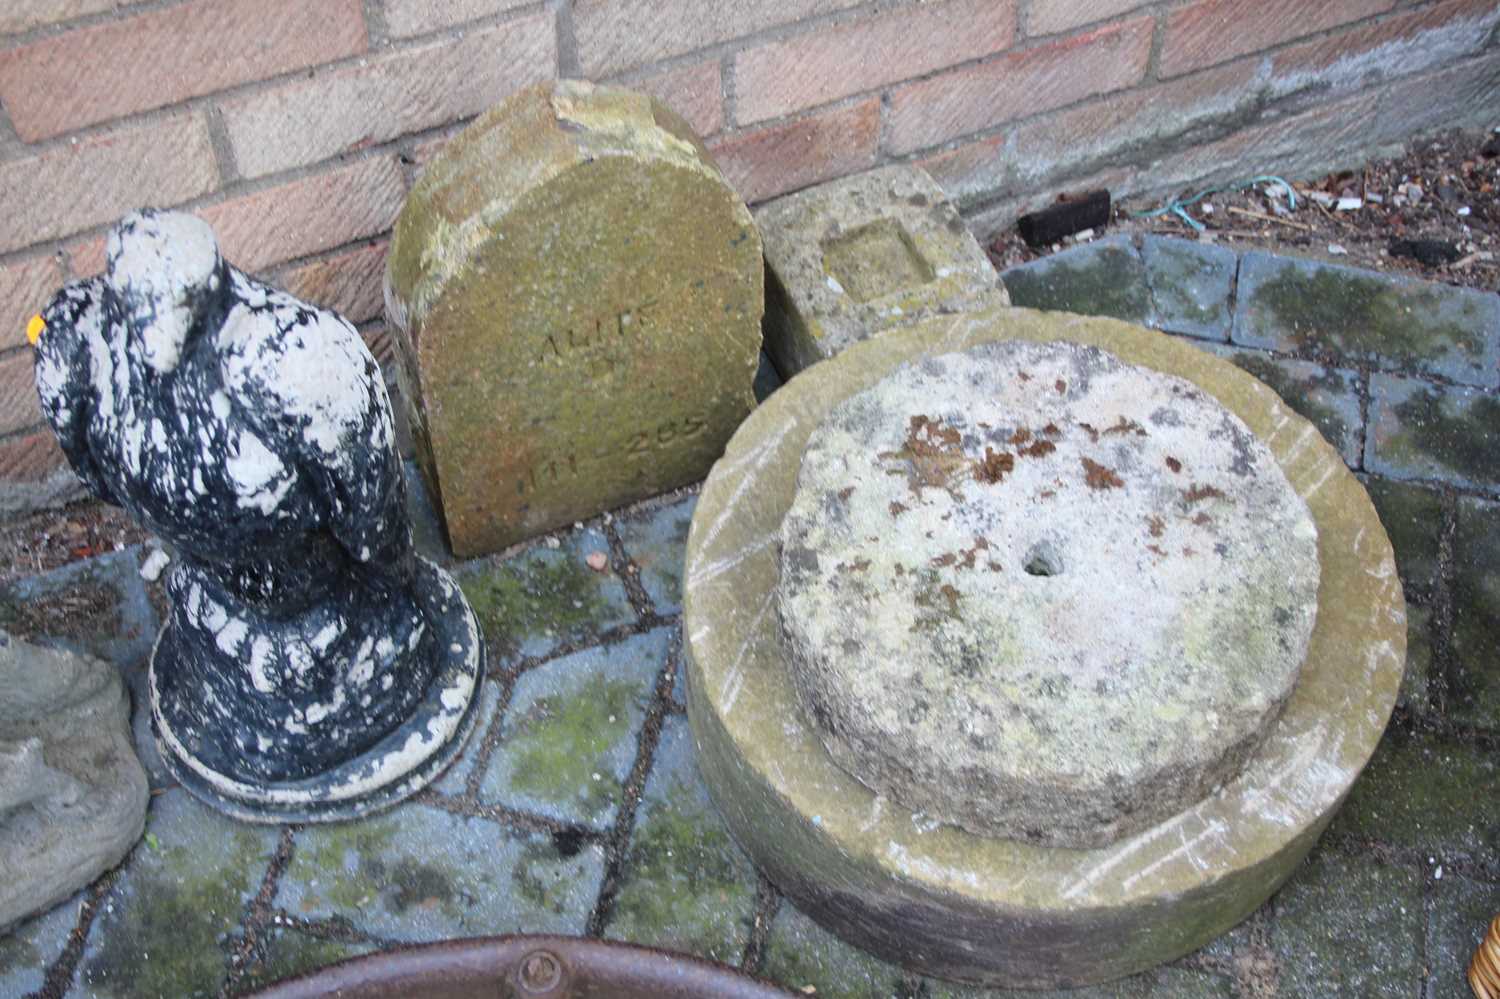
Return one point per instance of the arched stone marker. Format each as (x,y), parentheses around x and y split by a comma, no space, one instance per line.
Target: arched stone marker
(946,902)
(577,297)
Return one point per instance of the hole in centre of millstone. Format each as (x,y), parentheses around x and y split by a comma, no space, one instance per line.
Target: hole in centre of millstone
(1043,560)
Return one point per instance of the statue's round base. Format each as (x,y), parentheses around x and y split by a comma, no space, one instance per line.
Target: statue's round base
(410,757)
(945,902)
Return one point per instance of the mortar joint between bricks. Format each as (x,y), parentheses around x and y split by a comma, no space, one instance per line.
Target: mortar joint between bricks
(568,64)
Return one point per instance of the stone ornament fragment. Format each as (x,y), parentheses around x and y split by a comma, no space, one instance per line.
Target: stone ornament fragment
(576,295)
(852,257)
(313,666)
(72,793)
(1043,594)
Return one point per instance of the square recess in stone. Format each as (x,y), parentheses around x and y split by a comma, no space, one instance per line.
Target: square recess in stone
(418,873)
(164,927)
(849,258)
(568,739)
(544,598)
(656,541)
(686,886)
(1305,306)
(1423,431)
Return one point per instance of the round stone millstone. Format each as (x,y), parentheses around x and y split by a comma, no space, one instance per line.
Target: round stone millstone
(1042,594)
(943,901)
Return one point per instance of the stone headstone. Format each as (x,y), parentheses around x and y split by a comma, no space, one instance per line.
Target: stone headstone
(577,297)
(1042,594)
(861,254)
(72,793)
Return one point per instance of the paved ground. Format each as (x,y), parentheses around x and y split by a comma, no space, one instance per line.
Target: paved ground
(577,807)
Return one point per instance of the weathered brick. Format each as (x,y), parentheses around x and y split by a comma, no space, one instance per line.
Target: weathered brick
(1213,31)
(404,18)
(93,74)
(968,100)
(1409,43)
(1048,17)
(405,91)
(425,150)
(974,169)
(769,161)
(696,92)
(832,62)
(25,287)
(1138,121)
(85,257)
(23,16)
(68,188)
(19,407)
(1460,96)
(616,35)
(315,213)
(348,282)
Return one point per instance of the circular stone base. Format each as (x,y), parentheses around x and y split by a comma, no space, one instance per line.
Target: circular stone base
(945,902)
(409,758)
(1042,594)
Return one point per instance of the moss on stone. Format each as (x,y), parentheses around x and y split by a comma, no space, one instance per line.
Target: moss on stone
(1462,441)
(538,879)
(17,953)
(1109,281)
(1476,616)
(803,954)
(687,887)
(1300,393)
(168,937)
(345,861)
(1413,517)
(291,953)
(561,743)
(1362,315)
(557,597)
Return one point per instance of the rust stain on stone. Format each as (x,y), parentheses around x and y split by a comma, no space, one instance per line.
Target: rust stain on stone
(933,453)
(1124,426)
(1088,428)
(897,509)
(1099,477)
(1197,492)
(993,467)
(1174,464)
(1039,450)
(1157,525)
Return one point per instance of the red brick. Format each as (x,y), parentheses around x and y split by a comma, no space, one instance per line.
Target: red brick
(972,169)
(25,287)
(970,100)
(19,407)
(1213,31)
(377,337)
(72,187)
(1408,43)
(773,160)
(306,216)
(93,74)
(695,92)
(24,15)
(32,459)
(404,18)
(405,91)
(1048,17)
(425,150)
(616,35)
(829,63)
(350,282)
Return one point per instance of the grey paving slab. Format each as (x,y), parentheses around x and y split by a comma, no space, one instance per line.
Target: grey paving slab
(655,541)
(804,957)
(1289,304)
(1459,910)
(685,886)
(1475,697)
(1104,278)
(455,780)
(1416,685)
(28,950)
(1412,515)
(1160,983)
(181,895)
(1191,284)
(1419,430)
(1346,927)
(570,735)
(1327,396)
(1429,797)
(419,873)
(286,951)
(544,599)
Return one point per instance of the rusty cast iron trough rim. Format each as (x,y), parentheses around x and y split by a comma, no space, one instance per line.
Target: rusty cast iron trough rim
(525,967)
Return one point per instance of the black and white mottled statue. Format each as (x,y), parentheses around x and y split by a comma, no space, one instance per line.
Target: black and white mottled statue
(313,667)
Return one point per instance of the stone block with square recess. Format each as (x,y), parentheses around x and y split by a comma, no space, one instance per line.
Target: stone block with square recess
(576,295)
(849,258)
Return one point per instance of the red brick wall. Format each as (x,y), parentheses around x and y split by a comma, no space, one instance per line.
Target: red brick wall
(296,126)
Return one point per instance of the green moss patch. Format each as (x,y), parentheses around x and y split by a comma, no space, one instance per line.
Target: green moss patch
(1105,279)
(1459,439)
(547,597)
(560,746)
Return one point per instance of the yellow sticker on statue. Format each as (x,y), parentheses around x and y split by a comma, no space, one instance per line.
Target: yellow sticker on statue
(34,329)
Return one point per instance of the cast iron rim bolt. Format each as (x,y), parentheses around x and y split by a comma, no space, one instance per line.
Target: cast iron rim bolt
(540,972)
